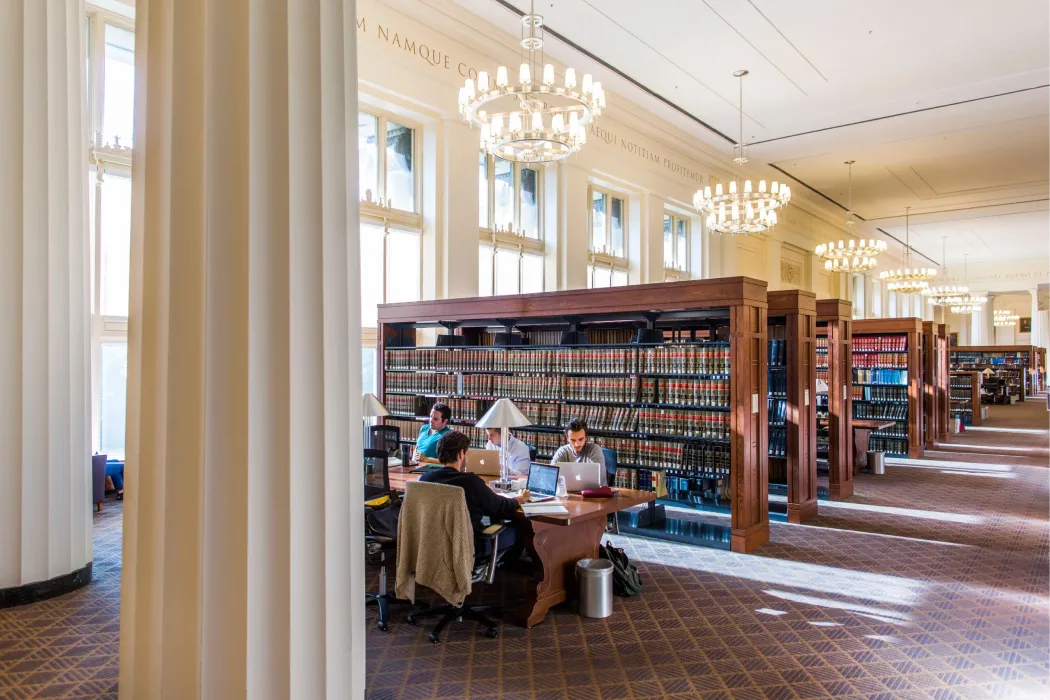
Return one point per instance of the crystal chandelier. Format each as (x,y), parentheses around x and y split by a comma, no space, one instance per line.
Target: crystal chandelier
(946,294)
(532,120)
(858,256)
(741,209)
(970,301)
(1003,317)
(908,279)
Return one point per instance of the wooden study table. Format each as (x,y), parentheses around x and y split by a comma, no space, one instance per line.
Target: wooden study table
(555,543)
(862,430)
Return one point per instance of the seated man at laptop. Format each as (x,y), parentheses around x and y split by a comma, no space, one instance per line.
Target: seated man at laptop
(580,449)
(481,500)
(432,431)
(517,451)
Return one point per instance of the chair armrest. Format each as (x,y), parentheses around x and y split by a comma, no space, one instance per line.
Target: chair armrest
(492,531)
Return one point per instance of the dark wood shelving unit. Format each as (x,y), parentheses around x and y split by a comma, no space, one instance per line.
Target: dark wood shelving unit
(935,382)
(792,315)
(965,395)
(1019,366)
(908,431)
(835,324)
(699,316)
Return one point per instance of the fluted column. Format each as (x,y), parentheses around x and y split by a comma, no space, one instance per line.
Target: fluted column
(45,497)
(243,550)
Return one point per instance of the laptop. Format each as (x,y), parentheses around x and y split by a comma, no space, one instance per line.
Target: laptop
(543,482)
(483,462)
(580,476)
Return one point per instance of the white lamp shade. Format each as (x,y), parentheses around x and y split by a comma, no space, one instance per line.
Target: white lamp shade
(503,414)
(371,407)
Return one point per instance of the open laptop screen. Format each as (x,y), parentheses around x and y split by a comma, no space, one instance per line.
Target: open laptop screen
(543,479)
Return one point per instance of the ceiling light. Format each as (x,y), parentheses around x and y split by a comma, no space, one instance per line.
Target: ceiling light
(1004,317)
(970,301)
(908,279)
(533,120)
(851,256)
(946,294)
(741,208)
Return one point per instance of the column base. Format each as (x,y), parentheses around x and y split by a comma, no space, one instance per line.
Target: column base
(745,541)
(799,513)
(840,492)
(42,590)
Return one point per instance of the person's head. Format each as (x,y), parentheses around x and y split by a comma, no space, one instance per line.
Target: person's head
(494,435)
(440,415)
(452,449)
(576,433)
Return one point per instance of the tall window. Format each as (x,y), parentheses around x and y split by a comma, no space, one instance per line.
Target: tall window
(511,248)
(388,163)
(676,246)
(109,66)
(608,245)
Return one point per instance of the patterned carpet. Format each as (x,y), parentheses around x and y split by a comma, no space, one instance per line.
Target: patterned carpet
(932,582)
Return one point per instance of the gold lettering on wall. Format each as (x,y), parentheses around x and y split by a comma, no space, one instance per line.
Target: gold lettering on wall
(639,151)
(432,56)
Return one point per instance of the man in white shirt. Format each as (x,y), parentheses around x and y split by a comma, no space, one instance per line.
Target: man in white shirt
(517,452)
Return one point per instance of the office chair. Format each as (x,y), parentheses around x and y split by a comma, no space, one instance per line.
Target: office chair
(422,496)
(381,512)
(610,479)
(532,453)
(384,437)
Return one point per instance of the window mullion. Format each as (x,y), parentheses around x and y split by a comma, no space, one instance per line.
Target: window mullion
(491,169)
(381,156)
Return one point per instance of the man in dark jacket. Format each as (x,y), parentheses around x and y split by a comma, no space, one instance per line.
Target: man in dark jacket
(481,500)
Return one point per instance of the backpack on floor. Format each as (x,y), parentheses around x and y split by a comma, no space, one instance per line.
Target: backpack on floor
(627,582)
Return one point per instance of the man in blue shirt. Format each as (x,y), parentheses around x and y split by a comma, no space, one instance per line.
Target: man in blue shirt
(432,431)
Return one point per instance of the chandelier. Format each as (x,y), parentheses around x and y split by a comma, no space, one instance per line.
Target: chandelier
(532,120)
(741,209)
(858,256)
(970,301)
(908,279)
(946,294)
(1003,317)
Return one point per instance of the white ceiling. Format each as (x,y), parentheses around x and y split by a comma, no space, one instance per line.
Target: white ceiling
(951,96)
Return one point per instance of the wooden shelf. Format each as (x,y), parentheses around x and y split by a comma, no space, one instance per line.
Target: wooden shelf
(732,310)
(912,330)
(1031,364)
(973,381)
(835,322)
(935,382)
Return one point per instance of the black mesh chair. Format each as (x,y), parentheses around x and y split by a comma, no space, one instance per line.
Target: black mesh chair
(384,437)
(381,511)
(610,479)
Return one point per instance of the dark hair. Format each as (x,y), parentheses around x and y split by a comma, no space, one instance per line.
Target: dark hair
(576,425)
(450,445)
(445,411)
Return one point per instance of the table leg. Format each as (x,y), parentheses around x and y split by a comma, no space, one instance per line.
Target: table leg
(555,549)
(861,438)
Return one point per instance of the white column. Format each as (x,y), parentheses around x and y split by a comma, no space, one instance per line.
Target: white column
(243,551)
(983,323)
(45,501)
(459,202)
(573,234)
(1039,319)
(651,259)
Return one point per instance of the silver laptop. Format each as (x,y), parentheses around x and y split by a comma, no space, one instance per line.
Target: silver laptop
(581,476)
(543,482)
(483,462)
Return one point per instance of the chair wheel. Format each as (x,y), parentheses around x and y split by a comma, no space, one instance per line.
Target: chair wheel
(383,627)
(411,619)
(492,633)
(434,639)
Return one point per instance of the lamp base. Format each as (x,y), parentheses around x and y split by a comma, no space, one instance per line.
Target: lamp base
(500,485)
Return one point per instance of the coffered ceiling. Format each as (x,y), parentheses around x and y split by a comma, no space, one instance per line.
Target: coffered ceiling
(943,104)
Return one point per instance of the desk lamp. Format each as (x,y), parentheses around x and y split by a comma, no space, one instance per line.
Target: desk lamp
(371,409)
(503,415)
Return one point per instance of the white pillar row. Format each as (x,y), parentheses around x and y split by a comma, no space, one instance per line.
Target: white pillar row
(1039,321)
(45,501)
(243,543)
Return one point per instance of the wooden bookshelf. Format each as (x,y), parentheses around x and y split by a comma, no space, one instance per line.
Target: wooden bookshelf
(935,382)
(1014,363)
(792,315)
(965,395)
(835,324)
(890,395)
(694,316)
(1040,367)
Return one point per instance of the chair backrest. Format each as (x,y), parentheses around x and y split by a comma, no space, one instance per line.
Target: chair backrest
(610,465)
(434,519)
(532,453)
(377,478)
(384,437)
(98,478)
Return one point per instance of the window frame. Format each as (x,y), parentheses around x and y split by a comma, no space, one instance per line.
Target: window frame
(376,213)
(680,268)
(596,259)
(489,230)
(492,246)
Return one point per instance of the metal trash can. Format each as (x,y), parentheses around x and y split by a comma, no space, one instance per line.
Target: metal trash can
(595,578)
(955,424)
(877,462)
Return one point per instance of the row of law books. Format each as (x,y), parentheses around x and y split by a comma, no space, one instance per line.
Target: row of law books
(777,410)
(778,383)
(410,431)
(880,359)
(891,377)
(711,425)
(880,393)
(776,353)
(650,480)
(777,442)
(702,358)
(880,343)
(880,411)
(686,392)
(893,446)
(422,383)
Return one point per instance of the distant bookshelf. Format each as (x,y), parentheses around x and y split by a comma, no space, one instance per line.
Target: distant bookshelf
(834,402)
(1016,366)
